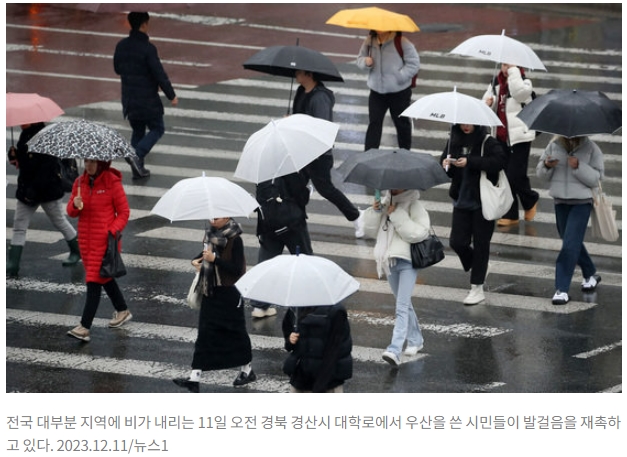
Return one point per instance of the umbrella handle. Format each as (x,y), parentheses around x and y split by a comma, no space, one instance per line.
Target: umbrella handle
(295,319)
(289,101)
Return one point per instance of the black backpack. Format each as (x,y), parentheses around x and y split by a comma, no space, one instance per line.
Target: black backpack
(278,210)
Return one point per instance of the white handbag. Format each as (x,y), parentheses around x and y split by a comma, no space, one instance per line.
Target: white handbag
(603,217)
(194,296)
(495,200)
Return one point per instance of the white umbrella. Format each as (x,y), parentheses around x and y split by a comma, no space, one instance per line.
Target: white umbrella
(297,281)
(500,49)
(204,198)
(285,146)
(454,108)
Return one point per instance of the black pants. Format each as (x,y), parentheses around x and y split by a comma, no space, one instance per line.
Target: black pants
(271,245)
(94,290)
(319,171)
(469,227)
(378,105)
(516,172)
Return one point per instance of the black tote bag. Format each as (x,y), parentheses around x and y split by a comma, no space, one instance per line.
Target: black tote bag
(112,265)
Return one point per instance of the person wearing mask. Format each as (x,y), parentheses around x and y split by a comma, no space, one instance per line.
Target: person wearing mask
(222,340)
(469,151)
(507,95)
(573,168)
(99,201)
(38,184)
(396,222)
(316,100)
(389,79)
(142,75)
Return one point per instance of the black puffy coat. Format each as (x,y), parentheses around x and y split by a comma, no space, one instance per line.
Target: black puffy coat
(137,62)
(39,178)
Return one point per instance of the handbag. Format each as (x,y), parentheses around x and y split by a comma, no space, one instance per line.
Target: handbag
(69,173)
(427,252)
(112,265)
(603,217)
(496,200)
(194,296)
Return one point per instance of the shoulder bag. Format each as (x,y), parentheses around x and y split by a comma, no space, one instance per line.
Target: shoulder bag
(603,217)
(194,296)
(496,200)
(427,252)
(112,265)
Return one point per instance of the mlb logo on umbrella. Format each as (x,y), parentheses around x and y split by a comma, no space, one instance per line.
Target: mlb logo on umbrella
(484,52)
(438,115)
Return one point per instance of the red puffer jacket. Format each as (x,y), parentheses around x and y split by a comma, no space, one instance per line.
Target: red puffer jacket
(105,209)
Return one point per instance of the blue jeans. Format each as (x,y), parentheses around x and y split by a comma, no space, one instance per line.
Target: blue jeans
(142,141)
(402,280)
(572,222)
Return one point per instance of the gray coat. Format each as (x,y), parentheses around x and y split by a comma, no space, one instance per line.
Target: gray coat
(566,183)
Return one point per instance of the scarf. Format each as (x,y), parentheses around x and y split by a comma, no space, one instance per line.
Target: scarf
(217,239)
(385,235)
(501,132)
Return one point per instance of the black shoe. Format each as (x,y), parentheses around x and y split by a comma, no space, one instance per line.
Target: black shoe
(137,167)
(243,378)
(186,383)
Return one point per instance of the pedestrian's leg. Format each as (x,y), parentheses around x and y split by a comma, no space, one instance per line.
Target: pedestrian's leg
(115,295)
(156,129)
(572,224)
(92,301)
(139,131)
(399,102)
(402,280)
(377,107)
(481,237)
(460,237)
(270,246)
(55,212)
(319,172)
(21,221)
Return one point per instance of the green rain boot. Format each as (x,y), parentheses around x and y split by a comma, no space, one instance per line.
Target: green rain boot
(13,264)
(75,254)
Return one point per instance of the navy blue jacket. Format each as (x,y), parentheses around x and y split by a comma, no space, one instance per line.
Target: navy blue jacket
(137,62)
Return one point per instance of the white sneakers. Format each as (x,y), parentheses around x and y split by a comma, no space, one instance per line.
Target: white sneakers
(260,312)
(359,225)
(560,298)
(590,284)
(412,350)
(475,296)
(391,358)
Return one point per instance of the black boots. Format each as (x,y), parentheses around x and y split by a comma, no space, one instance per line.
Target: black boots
(137,167)
(75,254)
(13,263)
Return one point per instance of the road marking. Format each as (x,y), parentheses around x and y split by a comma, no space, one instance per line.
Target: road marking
(597,351)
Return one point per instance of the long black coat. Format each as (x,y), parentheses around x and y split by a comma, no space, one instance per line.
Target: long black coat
(39,175)
(137,62)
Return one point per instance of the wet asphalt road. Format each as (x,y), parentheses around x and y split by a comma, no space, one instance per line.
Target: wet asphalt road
(516,342)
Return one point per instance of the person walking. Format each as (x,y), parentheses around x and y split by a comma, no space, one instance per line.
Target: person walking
(99,201)
(320,345)
(469,151)
(142,75)
(507,95)
(222,340)
(316,100)
(396,222)
(281,223)
(38,184)
(573,168)
(389,79)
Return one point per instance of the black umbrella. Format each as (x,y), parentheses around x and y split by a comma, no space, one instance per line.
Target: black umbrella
(285,60)
(394,169)
(572,113)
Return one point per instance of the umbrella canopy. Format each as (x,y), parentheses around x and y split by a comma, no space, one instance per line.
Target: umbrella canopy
(30,108)
(396,169)
(501,49)
(572,113)
(204,198)
(373,18)
(297,280)
(285,60)
(454,108)
(81,139)
(285,146)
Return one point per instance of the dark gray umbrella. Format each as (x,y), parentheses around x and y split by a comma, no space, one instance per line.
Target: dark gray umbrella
(81,139)
(572,113)
(394,169)
(285,60)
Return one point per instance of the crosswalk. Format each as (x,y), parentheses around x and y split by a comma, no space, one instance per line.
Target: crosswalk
(207,132)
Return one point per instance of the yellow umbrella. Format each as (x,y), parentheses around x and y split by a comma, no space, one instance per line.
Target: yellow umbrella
(373,18)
